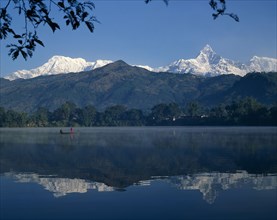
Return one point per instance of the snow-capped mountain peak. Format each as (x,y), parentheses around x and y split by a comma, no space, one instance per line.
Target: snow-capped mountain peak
(209,63)
(207,51)
(57,65)
(208,56)
(262,64)
(206,63)
(201,65)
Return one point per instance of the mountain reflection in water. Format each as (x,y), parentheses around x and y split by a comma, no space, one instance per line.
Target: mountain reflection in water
(209,184)
(107,159)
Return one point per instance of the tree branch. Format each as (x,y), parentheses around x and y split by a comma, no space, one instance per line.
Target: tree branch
(26,22)
(7,4)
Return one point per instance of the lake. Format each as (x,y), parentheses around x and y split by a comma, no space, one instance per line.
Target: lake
(139,173)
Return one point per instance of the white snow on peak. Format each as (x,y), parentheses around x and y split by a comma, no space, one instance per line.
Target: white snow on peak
(58,65)
(262,64)
(97,64)
(145,67)
(206,63)
(207,55)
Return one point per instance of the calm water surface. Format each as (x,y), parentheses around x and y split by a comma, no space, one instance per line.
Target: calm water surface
(139,173)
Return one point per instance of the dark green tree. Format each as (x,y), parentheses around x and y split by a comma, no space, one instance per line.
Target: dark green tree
(246,111)
(113,115)
(164,112)
(273,115)
(158,113)
(219,112)
(173,111)
(193,109)
(41,117)
(87,116)
(2,117)
(65,114)
(15,119)
(133,117)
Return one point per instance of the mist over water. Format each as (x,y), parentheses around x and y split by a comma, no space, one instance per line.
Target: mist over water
(132,172)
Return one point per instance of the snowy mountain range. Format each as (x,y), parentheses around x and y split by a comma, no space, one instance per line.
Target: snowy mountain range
(209,184)
(207,63)
(58,65)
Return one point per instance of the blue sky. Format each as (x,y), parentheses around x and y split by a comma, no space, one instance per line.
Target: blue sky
(155,35)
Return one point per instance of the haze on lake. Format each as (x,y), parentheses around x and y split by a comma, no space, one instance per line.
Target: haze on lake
(139,173)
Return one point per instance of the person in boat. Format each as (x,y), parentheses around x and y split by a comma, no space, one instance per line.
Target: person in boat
(67,132)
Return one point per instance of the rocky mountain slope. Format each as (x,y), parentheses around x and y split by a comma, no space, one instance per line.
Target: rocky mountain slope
(134,87)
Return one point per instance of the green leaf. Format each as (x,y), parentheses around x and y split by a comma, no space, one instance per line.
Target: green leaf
(15,54)
(84,15)
(54,26)
(76,25)
(17,36)
(90,26)
(165,1)
(11,50)
(213,4)
(235,17)
(61,4)
(24,54)
(90,5)
(30,53)
(39,42)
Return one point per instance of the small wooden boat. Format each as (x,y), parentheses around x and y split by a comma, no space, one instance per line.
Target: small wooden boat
(65,132)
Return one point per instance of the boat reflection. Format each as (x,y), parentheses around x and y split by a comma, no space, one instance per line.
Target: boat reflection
(108,159)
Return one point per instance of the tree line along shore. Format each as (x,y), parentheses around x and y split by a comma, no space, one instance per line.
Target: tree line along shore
(243,112)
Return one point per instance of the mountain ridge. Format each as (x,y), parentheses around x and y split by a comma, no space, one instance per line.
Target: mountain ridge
(207,63)
(121,84)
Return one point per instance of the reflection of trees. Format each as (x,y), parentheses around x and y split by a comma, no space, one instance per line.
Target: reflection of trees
(120,157)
